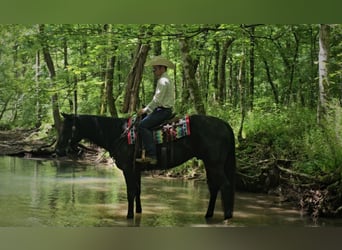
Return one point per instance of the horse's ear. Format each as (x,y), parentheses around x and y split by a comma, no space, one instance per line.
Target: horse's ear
(66,116)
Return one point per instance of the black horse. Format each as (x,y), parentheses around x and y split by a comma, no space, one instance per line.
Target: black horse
(211,140)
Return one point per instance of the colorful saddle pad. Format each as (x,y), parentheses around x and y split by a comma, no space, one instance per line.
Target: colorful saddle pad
(166,133)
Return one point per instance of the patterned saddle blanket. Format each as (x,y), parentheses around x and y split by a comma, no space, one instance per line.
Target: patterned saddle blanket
(167,132)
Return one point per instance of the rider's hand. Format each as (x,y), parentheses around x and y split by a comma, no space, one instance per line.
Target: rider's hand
(141,112)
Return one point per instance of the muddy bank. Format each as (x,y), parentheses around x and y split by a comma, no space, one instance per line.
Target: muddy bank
(259,170)
(25,142)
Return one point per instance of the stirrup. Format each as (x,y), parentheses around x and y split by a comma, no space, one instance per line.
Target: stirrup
(147,160)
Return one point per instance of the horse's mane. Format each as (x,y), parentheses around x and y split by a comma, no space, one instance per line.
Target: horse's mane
(101,130)
(113,123)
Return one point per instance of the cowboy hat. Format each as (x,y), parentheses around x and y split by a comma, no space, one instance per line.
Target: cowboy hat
(160,60)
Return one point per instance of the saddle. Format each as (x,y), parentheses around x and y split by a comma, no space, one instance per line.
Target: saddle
(164,134)
(170,130)
(172,119)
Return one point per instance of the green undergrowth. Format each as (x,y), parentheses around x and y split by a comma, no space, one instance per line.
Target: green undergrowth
(292,134)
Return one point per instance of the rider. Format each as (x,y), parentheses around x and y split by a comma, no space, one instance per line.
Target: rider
(159,109)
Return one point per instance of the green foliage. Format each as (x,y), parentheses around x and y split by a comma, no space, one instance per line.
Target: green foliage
(322,145)
(283,118)
(292,134)
(226,112)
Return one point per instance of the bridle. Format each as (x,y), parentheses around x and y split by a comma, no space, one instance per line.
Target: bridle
(70,145)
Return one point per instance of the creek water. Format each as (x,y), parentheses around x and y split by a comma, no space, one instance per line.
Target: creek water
(36,193)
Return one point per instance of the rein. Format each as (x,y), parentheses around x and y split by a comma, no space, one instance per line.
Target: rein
(73,130)
(118,142)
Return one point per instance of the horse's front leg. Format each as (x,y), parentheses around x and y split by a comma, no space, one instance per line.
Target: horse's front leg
(131,192)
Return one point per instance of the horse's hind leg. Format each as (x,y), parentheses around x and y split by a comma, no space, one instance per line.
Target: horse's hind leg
(223,185)
(226,194)
(228,187)
(213,190)
(220,179)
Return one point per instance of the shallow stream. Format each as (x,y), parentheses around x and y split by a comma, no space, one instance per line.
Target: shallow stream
(36,193)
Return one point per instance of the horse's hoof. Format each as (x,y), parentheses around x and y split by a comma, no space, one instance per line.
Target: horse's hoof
(138,211)
(228,216)
(226,222)
(209,215)
(130,216)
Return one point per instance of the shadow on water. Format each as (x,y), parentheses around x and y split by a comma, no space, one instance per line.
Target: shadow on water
(37,193)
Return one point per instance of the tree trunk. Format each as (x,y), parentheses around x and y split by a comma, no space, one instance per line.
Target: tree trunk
(157,51)
(251,68)
(216,69)
(38,106)
(109,74)
(4,107)
(293,67)
(269,78)
(206,76)
(131,97)
(241,83)
(72,98)
(190,67)
(109,87)
(313,88)
(134,79)
(232,95)
(323,71)
(222,89)
(288,72)
(51,68)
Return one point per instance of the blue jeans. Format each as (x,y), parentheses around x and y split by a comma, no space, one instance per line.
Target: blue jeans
(158,116)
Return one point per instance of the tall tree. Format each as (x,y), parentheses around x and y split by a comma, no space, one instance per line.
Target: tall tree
(157,50)
(287,44)
(38,106)
(135,74)
(323,71)
(72,100)
(134,78)
(52,71)
(222,83)
(242,89)
(216,68)
(190,64)
(109,75)
(270,80)
(251,66)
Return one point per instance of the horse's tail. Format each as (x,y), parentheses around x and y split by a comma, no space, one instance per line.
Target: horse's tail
(230,167)
(230,163)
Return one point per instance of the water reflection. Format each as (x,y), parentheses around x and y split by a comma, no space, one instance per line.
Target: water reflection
(69,194)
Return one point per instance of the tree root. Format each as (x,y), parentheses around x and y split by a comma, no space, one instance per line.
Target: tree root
(318,196)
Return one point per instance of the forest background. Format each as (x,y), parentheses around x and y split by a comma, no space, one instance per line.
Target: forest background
(279,86)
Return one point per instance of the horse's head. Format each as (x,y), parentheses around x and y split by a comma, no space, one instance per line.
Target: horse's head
(68,135)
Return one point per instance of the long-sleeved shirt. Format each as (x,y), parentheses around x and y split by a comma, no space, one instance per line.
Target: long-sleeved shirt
(164,95)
